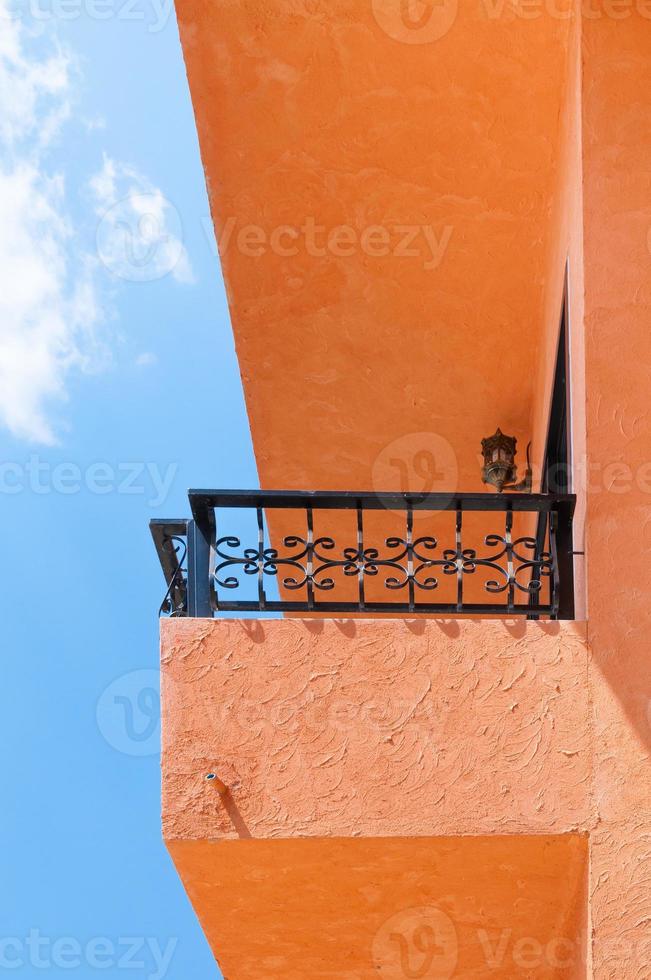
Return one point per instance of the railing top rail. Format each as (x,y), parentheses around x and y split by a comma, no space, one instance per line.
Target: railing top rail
(168,525)
(371,500)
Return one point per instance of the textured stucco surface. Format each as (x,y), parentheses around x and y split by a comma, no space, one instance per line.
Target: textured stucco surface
(374,728)
(617,195)
(508,908)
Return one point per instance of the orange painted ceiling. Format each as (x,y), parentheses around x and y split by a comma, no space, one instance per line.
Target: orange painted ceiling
(383,908)
(379,355)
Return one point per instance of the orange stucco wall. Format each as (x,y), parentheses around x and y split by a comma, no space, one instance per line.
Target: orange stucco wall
(375,727)
(617,192)
(349,748)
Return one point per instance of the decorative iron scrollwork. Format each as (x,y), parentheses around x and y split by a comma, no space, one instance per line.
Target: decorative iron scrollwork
(315,567)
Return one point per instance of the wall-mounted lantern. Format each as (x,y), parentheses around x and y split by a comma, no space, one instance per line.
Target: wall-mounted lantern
(499,468)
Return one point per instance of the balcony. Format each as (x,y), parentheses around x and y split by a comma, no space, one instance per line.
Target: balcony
(369,554)
(332,776)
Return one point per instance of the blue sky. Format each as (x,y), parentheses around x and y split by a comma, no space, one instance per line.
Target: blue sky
(119,389)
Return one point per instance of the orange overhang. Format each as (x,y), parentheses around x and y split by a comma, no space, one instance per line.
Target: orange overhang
(383,191)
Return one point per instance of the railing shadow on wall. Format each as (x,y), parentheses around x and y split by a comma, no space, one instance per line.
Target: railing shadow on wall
(369,554)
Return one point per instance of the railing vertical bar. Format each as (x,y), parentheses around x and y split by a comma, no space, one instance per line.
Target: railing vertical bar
(459,551)
(360,556)
(565,561)
(541,539)
(310,557)
(212,562)
(410,556)
(262,598)
(543,545)
(199,598)
(554,587)
(508,537)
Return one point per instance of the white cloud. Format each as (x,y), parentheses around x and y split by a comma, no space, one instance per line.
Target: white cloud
(139,235)
(92,123)
(34,93)
(47,317)
(146,359)
(53,307)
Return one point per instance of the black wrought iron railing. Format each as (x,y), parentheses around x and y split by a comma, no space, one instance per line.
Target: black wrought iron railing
(369,554)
